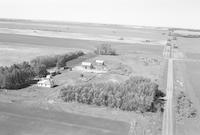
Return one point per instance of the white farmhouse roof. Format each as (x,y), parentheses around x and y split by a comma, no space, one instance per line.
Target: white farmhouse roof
(46,83)
(86,64)
(99,61)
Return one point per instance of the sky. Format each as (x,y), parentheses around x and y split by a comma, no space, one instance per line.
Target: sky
(160,13)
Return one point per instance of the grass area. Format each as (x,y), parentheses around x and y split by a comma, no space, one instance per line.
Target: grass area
(190,47)
(97,29)
(14,45)
(193,75)
(119,67)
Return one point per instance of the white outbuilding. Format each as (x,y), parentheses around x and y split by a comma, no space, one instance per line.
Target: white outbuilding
(87,65)
(46,82)
(99,62)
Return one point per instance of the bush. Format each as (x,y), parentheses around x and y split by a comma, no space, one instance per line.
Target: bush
(184,107)
(105,49)
(137,93)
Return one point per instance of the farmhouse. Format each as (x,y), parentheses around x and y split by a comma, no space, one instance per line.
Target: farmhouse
(46,82)
(99,62)
(87,65)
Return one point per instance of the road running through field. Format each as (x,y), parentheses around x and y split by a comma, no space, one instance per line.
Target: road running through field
(168,121)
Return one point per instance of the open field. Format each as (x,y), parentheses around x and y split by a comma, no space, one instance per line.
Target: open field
(187,33)
(84,36)
(29,120)
(58,45)
(193,75)
(190,47)
(36,36)
(97,29)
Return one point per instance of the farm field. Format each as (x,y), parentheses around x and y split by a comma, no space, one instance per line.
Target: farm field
(11,53)
(97,29)
(58,45)
(37,42)
(190,47)
(132,59)
(30,120)
(193,75)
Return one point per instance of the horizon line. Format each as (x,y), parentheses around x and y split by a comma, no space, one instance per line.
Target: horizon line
(94,23)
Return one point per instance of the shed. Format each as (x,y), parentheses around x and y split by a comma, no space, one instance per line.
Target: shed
(99,62)
(87,65)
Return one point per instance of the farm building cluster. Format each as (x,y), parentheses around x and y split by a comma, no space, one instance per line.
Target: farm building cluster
(89,65)
(94,67)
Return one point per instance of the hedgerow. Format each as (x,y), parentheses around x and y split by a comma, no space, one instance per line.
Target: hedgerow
(55,60)
(135,94)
